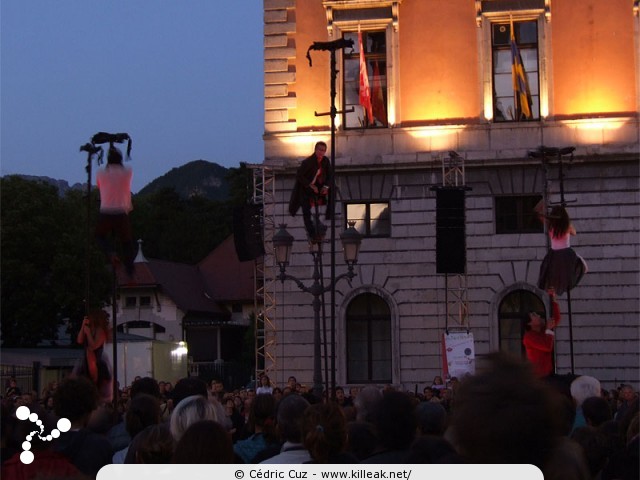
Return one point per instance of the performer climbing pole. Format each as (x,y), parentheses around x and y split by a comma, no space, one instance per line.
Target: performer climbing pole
(562,268)
(114,184)
(539,339)
(311,189)
(93,334)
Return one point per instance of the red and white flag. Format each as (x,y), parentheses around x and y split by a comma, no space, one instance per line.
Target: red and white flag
(379,109)
(365,91)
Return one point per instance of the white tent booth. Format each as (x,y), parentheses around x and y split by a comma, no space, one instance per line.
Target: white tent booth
(144,357)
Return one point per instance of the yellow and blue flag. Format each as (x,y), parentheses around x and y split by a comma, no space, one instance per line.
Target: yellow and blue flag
(520,85)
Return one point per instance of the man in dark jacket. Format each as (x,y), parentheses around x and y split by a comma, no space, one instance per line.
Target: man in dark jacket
(313,178)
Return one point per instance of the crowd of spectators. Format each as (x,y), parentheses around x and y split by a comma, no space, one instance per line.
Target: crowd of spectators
(566,425)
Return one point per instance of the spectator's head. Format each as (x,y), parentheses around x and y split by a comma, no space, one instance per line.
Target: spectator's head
(144,410)
(505,415)
(262,413)
(277,394)
(289,417)
(154,444)
(189,411)
(204,442)
(626,393)
(146,385)
(187,387)
(324,431)
(367,402)
(432,418)
(596,411)
(265,381)
(75,399)
(217,386)
(584,387)
(395,421)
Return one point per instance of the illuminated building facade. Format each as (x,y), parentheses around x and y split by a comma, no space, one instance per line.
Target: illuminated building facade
(441,81)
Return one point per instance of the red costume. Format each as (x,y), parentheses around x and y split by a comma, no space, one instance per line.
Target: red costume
(539,344)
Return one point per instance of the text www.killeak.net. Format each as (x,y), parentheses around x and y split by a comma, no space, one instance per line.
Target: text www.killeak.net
(368,474)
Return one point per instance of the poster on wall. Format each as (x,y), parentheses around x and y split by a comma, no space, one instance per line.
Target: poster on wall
(458,354)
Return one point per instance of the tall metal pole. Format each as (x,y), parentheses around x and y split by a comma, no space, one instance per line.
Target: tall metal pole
(316,291)
(332,202)
(332,47)
(88,246)
(563,203)
(114,333)
(542,152)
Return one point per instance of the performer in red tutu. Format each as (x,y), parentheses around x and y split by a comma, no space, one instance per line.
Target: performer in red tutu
(562,268)
(93,334)
(539,339)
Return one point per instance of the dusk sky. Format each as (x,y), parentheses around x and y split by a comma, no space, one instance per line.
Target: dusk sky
(183,78)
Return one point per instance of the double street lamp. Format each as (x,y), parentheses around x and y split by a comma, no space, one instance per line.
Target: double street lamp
(282,243)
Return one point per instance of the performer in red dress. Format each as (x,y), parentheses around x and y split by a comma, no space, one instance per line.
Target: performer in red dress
(93,334)
(539,339)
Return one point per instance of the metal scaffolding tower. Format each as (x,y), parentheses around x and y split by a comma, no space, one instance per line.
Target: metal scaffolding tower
(264,288)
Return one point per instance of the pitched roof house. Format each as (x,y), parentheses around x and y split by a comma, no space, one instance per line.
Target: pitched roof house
(208,305)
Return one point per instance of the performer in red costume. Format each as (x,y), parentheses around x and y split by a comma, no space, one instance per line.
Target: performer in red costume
(539,339)
(94,333)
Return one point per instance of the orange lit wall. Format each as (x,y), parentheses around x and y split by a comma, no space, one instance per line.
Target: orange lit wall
(438,60)
(312,83)
(593,58)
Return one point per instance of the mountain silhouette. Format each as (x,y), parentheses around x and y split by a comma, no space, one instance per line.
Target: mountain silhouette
(196,178)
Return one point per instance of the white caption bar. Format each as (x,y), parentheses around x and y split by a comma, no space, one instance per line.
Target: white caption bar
(318,472)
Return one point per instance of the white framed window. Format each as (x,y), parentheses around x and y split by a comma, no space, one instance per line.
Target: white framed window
(372,219)
(530,28)
(507,104)
(374,43)
(378,23)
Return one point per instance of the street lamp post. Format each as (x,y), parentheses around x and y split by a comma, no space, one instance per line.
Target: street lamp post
(282,243)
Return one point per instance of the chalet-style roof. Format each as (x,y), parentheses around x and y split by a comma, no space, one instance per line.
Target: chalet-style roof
(227,278)
(197,290)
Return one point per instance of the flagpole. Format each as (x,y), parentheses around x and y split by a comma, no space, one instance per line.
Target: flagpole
(512,38)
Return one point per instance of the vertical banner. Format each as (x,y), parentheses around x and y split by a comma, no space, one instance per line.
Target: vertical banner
(458,354)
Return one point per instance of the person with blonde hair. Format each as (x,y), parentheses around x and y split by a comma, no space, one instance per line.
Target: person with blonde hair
(190,410)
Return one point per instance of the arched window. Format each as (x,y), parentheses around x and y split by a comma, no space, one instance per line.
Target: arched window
(368,340)
(513,316)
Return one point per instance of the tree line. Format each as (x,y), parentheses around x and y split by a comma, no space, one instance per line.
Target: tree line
(47,248)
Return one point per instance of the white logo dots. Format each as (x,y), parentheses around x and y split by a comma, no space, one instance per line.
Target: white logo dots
(23,413)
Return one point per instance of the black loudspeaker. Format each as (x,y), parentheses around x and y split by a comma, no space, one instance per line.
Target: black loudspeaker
(451,250)
(247,232)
